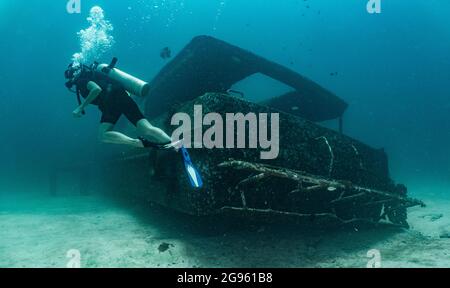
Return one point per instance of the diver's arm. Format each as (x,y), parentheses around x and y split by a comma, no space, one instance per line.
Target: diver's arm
(94,91)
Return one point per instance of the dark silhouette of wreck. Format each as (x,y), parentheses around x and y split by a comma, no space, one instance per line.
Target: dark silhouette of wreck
(321,176)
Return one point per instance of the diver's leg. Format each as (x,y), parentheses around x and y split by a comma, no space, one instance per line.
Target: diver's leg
(147,130)
(131,110)
(107,135)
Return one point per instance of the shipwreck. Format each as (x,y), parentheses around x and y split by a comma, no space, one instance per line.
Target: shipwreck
(320,177)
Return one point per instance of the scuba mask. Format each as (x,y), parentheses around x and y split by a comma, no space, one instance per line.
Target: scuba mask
(71,74)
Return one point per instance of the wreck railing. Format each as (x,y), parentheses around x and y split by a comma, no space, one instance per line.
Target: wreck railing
(309,184)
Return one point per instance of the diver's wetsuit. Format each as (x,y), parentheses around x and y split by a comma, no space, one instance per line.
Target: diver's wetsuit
(113,101)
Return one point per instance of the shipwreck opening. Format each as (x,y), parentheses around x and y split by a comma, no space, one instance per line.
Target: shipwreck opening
(259,87)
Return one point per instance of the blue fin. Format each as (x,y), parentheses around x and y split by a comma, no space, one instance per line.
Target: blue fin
(192,172)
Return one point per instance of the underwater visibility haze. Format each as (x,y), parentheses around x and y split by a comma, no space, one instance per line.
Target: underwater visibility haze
(65,195)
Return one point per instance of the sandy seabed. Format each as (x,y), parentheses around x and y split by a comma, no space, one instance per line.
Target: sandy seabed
(39,231)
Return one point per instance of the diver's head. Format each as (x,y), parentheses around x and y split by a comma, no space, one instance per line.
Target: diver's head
(72,73)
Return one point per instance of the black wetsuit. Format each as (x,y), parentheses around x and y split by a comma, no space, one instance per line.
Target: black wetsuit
(113,101)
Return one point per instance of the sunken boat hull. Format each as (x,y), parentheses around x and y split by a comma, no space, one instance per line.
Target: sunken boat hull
(320,176)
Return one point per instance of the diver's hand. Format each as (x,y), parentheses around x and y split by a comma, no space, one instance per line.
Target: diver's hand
(78,113)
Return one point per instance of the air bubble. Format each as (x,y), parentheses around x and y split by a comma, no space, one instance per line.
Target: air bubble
(95,40)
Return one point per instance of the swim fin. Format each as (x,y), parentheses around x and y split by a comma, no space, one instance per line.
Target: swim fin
(194,176)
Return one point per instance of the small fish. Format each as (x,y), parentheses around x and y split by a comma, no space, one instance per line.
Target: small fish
(164,247)
(166,53)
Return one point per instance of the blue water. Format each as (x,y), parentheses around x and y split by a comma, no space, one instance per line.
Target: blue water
(393,70)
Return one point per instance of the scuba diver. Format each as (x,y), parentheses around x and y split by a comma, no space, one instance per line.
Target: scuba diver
(109,89)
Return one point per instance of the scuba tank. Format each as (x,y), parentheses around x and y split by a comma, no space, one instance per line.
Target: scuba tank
(132,84)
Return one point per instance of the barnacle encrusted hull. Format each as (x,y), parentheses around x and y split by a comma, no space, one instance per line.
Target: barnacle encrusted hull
(320,176)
